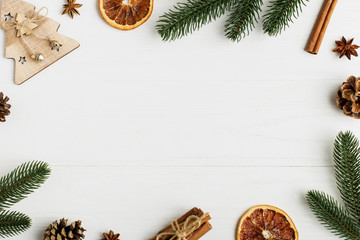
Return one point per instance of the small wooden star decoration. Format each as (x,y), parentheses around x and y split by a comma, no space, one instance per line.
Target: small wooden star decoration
(71,8)
(23,26)
(346,48)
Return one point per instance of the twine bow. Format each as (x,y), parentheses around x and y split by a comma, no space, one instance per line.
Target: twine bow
(179,232)
(23,24)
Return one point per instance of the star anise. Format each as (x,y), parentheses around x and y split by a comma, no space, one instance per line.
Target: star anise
(111,236)
(4,107)
(346,48)
(71,8)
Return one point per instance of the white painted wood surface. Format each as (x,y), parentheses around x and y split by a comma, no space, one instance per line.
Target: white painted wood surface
(138,131)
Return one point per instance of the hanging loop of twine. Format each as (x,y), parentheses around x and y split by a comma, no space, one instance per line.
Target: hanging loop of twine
(180,232)
(24,24)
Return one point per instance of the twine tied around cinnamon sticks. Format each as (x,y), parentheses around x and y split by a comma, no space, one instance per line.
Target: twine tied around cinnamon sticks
(24,26)
(180,232)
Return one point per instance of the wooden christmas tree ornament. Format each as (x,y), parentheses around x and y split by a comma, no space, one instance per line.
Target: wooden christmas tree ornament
(32,39)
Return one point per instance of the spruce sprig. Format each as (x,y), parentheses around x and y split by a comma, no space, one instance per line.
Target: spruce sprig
(332,215)
(14,187)
(242,19)
(347,172)
(280,14)
(187,17)
(12,223)
(343,221)
(190,16)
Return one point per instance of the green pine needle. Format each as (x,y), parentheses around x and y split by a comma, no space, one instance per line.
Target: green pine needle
(22,181)
(332,215)
(190,16)
(347,172)
(13,223)
(280,14)
(343,221)
(242,19)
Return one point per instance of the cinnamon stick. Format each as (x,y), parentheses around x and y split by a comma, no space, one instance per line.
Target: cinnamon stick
(201,231)
(198,233)
(320,27)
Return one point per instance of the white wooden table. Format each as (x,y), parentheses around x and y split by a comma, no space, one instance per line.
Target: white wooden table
(138,131)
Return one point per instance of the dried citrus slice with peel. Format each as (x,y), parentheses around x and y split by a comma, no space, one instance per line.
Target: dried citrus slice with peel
(126,14)
(266,222)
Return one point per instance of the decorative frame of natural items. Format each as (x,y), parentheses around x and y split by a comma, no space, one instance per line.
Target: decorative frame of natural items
(263,221)
(259,222)
(23,25)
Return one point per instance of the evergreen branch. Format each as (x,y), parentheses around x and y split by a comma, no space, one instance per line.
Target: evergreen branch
(13,223)
(347,172)
(22,181)
(190,16)
(280,14)
(242,19)
(332,215)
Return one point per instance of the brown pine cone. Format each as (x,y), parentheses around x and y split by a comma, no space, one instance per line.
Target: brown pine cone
(111,236)
(61,231)
(348,97)
(4,107)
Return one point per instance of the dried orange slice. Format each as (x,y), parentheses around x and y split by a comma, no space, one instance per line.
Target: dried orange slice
(266,222)
(126,14)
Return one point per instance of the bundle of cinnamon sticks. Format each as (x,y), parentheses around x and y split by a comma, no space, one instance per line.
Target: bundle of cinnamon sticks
(320,27)
(203,227)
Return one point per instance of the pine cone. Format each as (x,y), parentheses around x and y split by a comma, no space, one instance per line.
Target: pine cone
(60,231)
(348,97)
(4,107)
(111,236)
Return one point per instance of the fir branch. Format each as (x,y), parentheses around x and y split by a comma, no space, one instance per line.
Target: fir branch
(280,14)
(13,223)
(22,181)
(347,172)
(190,16)
(332,215)
(242,19)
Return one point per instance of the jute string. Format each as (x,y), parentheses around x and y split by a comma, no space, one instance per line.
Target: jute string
(26,26)
(179,232)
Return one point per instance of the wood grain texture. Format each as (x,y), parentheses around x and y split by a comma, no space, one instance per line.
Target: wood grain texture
(132,126)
